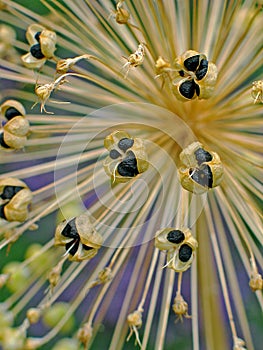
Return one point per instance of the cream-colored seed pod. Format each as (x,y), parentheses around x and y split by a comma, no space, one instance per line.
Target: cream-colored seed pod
(127,157)
(15,131)
(12,107)
(15,197)
(79,237)
(43,46)
(180,246)
(195,76)
(170,238)
(201,170)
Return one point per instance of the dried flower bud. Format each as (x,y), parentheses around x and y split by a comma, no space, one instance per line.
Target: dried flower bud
(256,282)
(201,170)
(122,16)
(127,157)
(135,59)
(134,320)
(85,334)
(180,307)
(54,275)
(257,91)
(33,315)
(196,76)
(105,275)
(43,46)
(239,344)
(79,237)
(65,64)
(161,65)
(15,198)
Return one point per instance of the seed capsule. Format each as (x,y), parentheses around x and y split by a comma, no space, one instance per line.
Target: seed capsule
(180,246)
(15,198)
(14,133)
(196,76)
(201,170)
(43,46)
(79,237)
(127,156)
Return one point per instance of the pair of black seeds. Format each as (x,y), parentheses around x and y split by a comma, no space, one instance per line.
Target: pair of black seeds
(35,50)
(10,113)
(189,87)
(70,231)
(202,175)
(128,167)
(8,193)
(177,237)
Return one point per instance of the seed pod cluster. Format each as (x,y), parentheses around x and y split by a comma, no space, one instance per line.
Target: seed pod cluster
(196,76)
(180,246)
(42,46)
(79,238)
(13,135)
(15,198)
(201,170)
(127,156)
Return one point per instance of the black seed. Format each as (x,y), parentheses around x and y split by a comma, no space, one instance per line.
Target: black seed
(2,141)
(114,154)
(185,252)
(70,230)
(36,51)
(72,247)
(187,89)
(2,213)
(192,63)
(181,72)
(11,112)
(202,156)
(128,167)
(10,191)
(197,89)
(175,236)
(125,144)
(37,35)
(203,176)
(202,69)
(86,247)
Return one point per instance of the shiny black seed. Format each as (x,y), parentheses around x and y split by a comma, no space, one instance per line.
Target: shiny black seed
(125,144)
(128,167)
(114,154)
(2,213)
(203,176)
(86,247)
(187,89)
(2,141)
(185,252)
(202,156)
(10,191)
(70,230)
(181,72)
(175,236)
(202,69)
(11,112)
(192,63)
(36,51)
(197,89)
(72,247)
(37,36)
